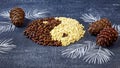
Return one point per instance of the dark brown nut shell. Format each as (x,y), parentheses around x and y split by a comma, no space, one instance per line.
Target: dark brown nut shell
(39,31)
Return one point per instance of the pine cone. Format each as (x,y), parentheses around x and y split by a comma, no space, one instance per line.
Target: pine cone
(107,36)
(17,16)
(97,26)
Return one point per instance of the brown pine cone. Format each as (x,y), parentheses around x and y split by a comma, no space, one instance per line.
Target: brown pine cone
(17,16)
(107,36)
(97,26)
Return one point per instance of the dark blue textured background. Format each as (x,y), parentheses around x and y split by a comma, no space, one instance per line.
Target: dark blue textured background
(27,54)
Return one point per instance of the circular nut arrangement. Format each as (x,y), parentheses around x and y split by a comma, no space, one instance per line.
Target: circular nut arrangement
(58,31)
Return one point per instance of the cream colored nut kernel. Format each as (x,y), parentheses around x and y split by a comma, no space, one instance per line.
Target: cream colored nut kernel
(69,26)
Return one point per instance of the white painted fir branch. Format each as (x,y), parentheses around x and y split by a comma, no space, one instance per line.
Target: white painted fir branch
(35,13)
(117,27)
(6,26)
(90,18)
(90,52)
(5,14)
(6,45)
